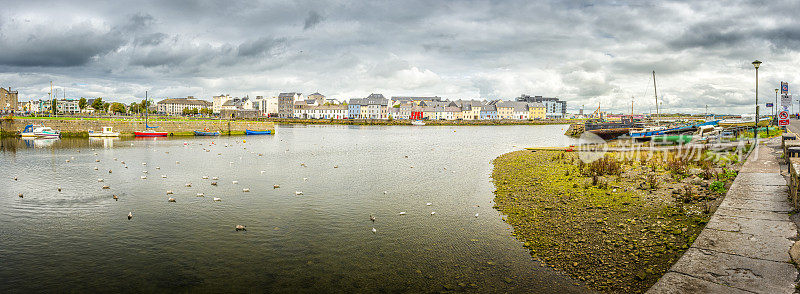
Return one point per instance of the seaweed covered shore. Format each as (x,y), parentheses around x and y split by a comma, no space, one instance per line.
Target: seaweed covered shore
(617,223)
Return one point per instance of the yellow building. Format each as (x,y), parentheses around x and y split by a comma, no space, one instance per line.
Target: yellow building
(536,111)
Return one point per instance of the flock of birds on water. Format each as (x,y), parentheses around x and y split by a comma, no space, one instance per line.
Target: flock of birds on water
(214,182)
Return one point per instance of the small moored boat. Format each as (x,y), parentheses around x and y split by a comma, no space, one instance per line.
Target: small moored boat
(148,132)
(46,132)
(201,133)
(28,132)
(417,123)
(250,132)
(107,132)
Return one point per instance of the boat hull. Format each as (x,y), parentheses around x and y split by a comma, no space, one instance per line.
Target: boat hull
(608,134)
(199,133)
(249,132)
(103,135)
(150,134)
(680,139)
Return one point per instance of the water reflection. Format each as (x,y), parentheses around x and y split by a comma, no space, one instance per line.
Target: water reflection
(39,142)
(79,238)
(106,142)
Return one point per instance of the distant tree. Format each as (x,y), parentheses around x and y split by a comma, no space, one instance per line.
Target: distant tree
(106,105)
(117,107)
(82,103)
(205,111)
(97,104)
(186,111)
(53,106)
(144,106)
(133,108)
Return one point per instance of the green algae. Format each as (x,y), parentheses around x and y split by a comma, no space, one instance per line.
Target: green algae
(616,234)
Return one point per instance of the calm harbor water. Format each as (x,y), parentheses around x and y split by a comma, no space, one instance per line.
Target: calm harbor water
(80,239)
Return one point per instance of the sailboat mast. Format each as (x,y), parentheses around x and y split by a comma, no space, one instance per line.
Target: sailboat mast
(655,91)
(145,109)
(632,106)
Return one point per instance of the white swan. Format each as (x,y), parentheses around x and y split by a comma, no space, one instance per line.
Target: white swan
(217,199)
(297,193)
(171,199)
(130,215)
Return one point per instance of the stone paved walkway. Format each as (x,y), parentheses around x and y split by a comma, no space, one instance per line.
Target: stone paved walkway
(744,248)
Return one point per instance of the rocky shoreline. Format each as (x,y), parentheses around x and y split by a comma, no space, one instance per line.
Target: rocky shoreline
(616,224)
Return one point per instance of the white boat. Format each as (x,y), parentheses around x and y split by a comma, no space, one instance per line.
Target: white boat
(32,131)
(107,132)
(46,132)
(417,123)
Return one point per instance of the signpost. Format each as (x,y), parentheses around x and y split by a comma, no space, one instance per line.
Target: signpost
(783,118)
(786,101)
(769,104)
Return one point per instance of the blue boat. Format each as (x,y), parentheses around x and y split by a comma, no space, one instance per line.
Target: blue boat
(649,133)
(249,132)
(199,133)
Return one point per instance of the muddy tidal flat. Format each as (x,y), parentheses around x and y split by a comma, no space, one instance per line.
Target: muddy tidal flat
(616,224)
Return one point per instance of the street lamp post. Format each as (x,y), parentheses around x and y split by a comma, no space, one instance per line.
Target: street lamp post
(775,108)
(755,130)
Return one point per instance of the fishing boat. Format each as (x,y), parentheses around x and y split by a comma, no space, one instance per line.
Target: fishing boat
(651,132)
(417,123)
(107,132)
(745,120)
(203,133)
(148,132)
(609,130)
(249,132)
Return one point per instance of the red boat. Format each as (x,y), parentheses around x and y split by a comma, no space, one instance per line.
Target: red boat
(150,134)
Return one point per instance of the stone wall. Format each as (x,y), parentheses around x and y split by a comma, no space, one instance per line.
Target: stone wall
(128,126)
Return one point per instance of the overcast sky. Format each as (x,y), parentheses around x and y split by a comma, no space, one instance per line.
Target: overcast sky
(585,52)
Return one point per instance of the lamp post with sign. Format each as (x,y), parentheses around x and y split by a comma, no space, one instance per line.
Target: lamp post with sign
(756,64)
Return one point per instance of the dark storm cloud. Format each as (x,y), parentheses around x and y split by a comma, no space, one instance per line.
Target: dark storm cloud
(312,19)
(583,51)
(259,46)
(138,21)
(43,46)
